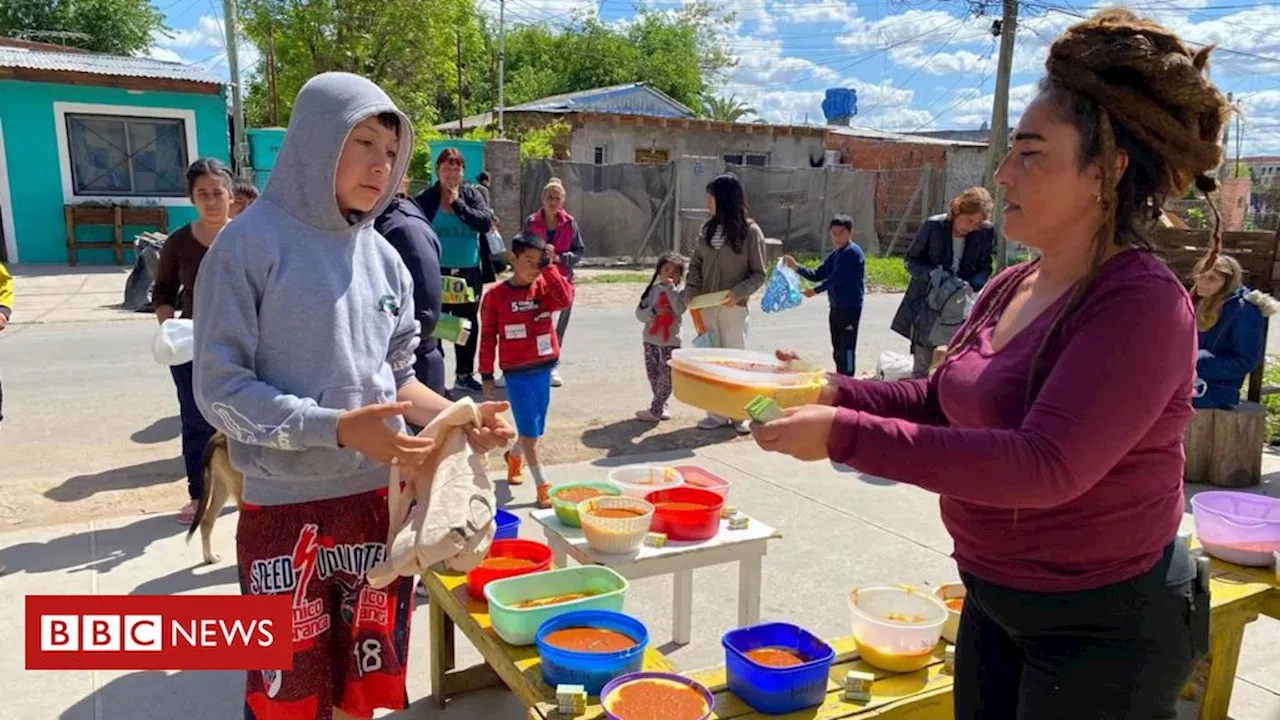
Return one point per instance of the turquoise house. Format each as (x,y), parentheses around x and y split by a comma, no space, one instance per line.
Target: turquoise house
(80,128)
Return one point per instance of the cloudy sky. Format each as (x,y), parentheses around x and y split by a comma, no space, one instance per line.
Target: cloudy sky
(916,64)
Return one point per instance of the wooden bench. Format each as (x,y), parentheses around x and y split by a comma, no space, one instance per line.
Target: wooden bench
(1238,596)
(117,218)
(1224,447)
(519,668)
(921,695)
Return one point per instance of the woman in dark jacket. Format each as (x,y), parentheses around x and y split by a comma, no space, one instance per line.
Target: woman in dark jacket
(405,226)
(461,219)
(961,241)
(1231,320)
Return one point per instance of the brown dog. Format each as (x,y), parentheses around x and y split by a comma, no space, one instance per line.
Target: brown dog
(222,482)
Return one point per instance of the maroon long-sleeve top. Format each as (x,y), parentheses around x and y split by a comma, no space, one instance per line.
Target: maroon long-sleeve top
(1079,490)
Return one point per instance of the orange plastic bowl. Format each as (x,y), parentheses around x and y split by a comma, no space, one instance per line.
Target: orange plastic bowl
(534,552)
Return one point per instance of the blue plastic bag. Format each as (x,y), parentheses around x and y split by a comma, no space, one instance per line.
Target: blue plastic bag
(782,291)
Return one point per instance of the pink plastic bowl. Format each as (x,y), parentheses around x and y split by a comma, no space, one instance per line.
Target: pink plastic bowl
(1240,528)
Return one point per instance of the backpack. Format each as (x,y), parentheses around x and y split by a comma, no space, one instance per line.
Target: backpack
(950,299)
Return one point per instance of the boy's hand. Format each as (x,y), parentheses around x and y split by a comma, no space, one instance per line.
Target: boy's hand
(730,300)
(494,432)
(789,261)
(809,292)
(489,394)
(366,431)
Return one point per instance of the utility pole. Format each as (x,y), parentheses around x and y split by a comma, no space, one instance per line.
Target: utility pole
(998,144)
(1224,170)
(271,77)
(1239,139)
(457,35)
(238,155)
(502,65)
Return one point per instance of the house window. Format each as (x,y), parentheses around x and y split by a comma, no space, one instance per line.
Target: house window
(122,155)
(752,159)
(658,157)
(601,155)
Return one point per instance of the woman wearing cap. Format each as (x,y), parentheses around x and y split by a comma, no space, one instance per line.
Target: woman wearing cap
(1053,428)
(559,229)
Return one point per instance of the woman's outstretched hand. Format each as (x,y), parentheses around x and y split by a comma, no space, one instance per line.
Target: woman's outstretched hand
(802,434)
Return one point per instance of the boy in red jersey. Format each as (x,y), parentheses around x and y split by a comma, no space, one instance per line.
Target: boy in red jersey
(516,324)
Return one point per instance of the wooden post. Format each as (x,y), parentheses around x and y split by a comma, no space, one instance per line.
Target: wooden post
(1224,447)
(117,235)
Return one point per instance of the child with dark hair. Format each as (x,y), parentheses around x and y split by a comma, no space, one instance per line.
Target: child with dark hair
(209,184)
(660,309)
(243,193)
(516,328)
(304,358)
(842,276)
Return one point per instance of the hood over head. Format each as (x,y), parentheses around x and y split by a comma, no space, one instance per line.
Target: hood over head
(324,113)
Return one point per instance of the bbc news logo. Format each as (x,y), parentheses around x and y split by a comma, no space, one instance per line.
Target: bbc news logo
(178,632)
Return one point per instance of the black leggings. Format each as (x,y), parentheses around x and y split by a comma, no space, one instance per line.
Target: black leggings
(1122,651)
(466,354)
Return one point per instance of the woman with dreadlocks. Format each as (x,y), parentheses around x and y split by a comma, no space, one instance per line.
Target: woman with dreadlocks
(1053,429)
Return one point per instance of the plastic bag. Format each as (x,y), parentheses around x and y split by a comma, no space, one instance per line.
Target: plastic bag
(497,248)
(782,292)
(174,343)
(894,366)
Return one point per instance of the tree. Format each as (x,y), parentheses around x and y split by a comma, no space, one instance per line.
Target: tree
(679,53)
(408,47)
(121,27)
(729,109)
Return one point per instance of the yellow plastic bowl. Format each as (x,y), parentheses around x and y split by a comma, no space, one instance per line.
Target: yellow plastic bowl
(723,381)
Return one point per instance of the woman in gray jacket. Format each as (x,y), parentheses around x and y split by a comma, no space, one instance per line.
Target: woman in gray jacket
(729,257)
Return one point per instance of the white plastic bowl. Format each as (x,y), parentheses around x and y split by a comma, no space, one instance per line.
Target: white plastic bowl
(950,591)
(614,535)
(896,627)
(638,481)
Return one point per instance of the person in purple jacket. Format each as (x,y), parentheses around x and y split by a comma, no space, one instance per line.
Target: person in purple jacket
(1053,428)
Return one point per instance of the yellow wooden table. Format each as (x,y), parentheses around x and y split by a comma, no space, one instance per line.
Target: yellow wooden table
(921,695)
(1237,596)
(519,668)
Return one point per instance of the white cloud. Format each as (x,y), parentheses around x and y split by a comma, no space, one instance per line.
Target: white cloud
(831,12)
(203,46)
(975,109)
(913,28)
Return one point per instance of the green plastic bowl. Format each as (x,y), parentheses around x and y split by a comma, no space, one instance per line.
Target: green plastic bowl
(519,626)
(567,512)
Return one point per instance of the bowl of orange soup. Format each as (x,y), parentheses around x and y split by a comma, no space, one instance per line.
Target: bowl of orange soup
(507,558)
(590,648)
(655,696)
(952,595)
(615,525)
(566,497)
(777,668)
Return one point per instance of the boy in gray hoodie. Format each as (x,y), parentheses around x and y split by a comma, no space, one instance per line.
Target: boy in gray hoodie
(304,358)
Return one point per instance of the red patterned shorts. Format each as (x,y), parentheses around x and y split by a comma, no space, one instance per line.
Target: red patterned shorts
(350,641)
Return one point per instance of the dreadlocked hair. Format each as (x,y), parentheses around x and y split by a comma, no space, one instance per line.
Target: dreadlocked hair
(1129,86)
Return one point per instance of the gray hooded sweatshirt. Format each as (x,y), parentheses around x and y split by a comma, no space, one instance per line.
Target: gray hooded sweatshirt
(305,313)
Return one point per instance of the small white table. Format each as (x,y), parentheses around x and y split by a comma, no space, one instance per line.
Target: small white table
(679,559)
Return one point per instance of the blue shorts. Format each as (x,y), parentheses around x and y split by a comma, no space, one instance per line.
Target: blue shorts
(530,395)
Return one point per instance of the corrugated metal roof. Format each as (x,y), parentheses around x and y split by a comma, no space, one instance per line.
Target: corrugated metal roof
(629,99)
(100,64)
(869,134)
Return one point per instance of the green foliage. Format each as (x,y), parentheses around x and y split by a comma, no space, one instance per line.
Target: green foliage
(408,47)
(540,142)
(729,109)
(678,53)
(1270,377)
(121,27)
(1196,219)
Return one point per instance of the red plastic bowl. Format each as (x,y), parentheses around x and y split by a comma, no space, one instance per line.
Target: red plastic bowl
(701,524)
(523,549)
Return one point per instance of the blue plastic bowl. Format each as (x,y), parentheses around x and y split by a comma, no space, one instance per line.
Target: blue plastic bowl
(508,526)
(591,670)
(777,691)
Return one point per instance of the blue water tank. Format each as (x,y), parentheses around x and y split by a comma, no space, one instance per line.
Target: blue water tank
(839,105)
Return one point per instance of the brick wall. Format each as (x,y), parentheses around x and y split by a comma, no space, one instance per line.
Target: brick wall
(900,166)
